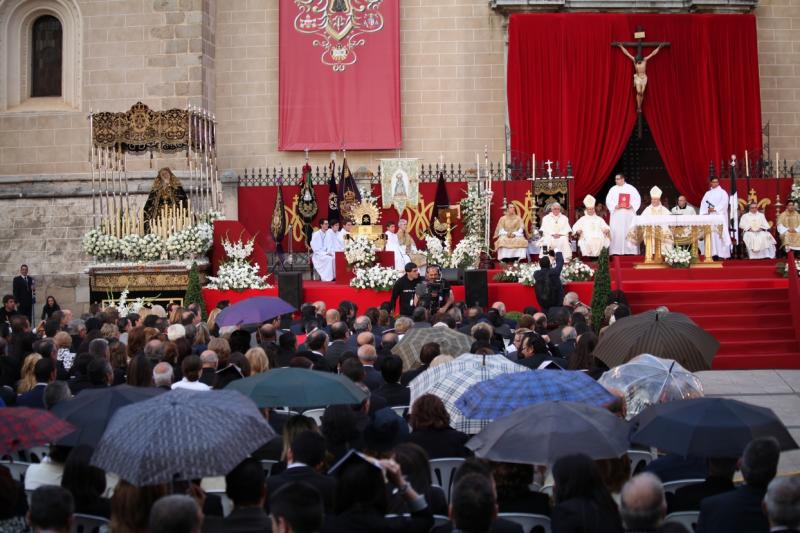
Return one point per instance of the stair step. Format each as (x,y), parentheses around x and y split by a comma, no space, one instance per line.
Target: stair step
(701,306)
(755,347)
(757,361)
(723,334)
(746,322)
(706,295)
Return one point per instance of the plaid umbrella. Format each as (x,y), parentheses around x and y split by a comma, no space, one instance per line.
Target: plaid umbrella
(450,380)
(181,435)
(298,387)
(663,334)
(22,428)
(254,310)
(542,433)
(506,393)
(450,341)
(708,427)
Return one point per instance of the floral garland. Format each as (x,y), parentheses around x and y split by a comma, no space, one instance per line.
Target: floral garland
(473,212)
(377,277)
(359,251)
(678,257)
(794,195)
(518,273)
(576,270)
(238,274)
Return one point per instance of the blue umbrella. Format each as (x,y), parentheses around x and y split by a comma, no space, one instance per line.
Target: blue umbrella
(506,393)
(181,435)
(254,310)
(298,387)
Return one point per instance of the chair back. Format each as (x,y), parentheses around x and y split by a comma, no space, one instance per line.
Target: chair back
(315,414)
(37,453)
(671,486)
(401,410)
(686,518)
(267,465)
(530,523)
(442,471)
(639,460)
(86,523)
(17,469)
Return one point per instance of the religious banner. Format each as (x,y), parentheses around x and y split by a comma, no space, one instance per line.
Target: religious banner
(399,183)
(349,195)
(339,70)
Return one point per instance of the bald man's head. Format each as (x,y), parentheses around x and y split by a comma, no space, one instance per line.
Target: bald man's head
(365,338)
(642,504)
(367,354)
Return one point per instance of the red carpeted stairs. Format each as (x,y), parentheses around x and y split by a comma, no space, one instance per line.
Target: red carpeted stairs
(745,305)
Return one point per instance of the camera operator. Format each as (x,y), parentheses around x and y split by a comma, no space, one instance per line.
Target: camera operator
(434,293)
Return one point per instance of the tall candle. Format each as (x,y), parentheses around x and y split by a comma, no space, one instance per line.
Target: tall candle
(504,166)
(777,165)
(746,166)
(533,170)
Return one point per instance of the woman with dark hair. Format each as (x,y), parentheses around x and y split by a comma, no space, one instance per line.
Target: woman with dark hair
(343,430)
(513,490)
(347,312)
(583,359)
(582,503)
(50,307)
(13,504)
(136,341)
(430,424)
(139,374)
(119,360)
(87,483)
(130,506)
(413,460)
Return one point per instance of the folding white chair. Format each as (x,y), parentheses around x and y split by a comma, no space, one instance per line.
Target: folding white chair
(442,471)
(316,414)
(671,486)
(639,460)
(535,523)
(17,469)
(267,465)
(86,523)
(687,518)
(401,410)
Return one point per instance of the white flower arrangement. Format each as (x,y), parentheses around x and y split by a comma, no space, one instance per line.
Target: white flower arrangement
(678,257)
(100,244)
(467,252)
(473,212)
(188,243)
(519,273)
(794,195)
(237,274)
(377,277)
(124,308)
(436,252)
(576,270)
(359,251)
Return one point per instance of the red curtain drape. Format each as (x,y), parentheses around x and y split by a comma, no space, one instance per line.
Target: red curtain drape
(571,97)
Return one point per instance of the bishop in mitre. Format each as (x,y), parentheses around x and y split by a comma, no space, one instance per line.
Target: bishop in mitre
(656,209)
(555,232)
(510,241)
(716,201)
(789,227)
(323,257)
(592,232)
(755,234)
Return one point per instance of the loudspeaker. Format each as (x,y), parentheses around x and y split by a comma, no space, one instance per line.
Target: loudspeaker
(453,276)
(290,287)
(476,288)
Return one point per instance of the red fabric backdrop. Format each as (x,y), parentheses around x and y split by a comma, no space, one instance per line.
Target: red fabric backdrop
(571,97)
(356,108)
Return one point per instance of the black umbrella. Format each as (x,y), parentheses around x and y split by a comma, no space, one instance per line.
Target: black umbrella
(663,334)
(707,427)
(542,433)
(92,409)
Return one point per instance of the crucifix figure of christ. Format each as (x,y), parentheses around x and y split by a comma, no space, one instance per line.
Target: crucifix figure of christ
(640,65)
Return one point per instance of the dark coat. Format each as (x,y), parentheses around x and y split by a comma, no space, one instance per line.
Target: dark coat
(23,294)
(335,350)
(324,484)
(395,394)
(373,378)
(737,510)
(441,443)
(555,296)
(371,522)
(579,515)
(688,498)
(673,467)
(531,503)
(250,519)
(33,398)
(500,525)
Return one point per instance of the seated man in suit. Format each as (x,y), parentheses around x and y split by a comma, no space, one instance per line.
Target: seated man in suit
(782,504)
(740,509)
(718,480)
(395,394)
(244,485)
(372,378)
(305,457)
(296,507)
(45,372)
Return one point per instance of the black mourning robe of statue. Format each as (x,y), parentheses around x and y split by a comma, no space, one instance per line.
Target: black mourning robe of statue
(165,192)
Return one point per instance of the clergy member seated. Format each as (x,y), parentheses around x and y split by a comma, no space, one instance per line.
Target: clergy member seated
(683,207)
(510,241)
(407,244)
(592,232)
(322,247)
(755,234)
(393,245)
(656,209)
(555,231)
(336,236)
(789,227)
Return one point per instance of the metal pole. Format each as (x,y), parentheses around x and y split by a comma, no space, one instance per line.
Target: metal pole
(91,166)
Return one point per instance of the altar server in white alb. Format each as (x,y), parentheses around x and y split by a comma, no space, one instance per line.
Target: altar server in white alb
(555,232)
(322,246)
(592,232)
(336,237)
(622,201)
(715,201)
(393,245)
(755,234)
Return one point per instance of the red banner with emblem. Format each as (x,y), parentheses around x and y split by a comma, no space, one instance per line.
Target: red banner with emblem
(339,70)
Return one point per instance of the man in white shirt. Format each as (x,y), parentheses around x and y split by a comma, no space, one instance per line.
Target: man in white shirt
(393,245)
(191,367)
(715,201)
(622,215)
(683,207)
(323,256)
(757,239)
(592,232)
(336,237)
(555,232)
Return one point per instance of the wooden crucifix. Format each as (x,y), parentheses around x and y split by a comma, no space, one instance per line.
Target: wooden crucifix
(639,65)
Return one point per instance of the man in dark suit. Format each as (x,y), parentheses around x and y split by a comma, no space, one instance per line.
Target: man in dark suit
(9,309)
(338,345)
(25,292)
(372,378)
(244,485)
(782,503)
(549,289)
(305,458)
(535,352)
(45,372)
(740,509)
(719,480)
(297,507)
(474,508)
(395,394)
(287,348)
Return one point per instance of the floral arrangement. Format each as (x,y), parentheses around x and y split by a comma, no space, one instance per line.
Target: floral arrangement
(783,271)
(678,257)
(124,308)
(518,273)
(794,195)
(238,274)
(185,244)
(473,212)
(375,277)
(436,252)
(576,270)
(359,251)
(465,255)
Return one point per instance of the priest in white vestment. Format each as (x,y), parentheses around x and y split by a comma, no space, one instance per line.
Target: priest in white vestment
(715,201)
(323,257)
(346,232)
(789,227)
(510,241)
(592,232)
(683,207)
(393,245)
(555,232)
(622,201)
(656,209)
(755,234)
(336,237)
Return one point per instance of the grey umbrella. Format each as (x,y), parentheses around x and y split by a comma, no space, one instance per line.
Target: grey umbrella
(450,341)
(181,434)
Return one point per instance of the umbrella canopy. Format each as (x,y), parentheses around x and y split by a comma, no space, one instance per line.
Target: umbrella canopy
(506,393)
(181,435)
(542,433)
(663,334)
(254,310)
(298,387)
(708,427)
(22,428)
(451,380)
(647,380)
(450,341)
(91,411)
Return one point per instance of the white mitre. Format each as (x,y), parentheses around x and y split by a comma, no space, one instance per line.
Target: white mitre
(589,201)
(655,192)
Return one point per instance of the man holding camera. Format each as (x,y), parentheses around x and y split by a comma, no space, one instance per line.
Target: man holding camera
(434,293)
